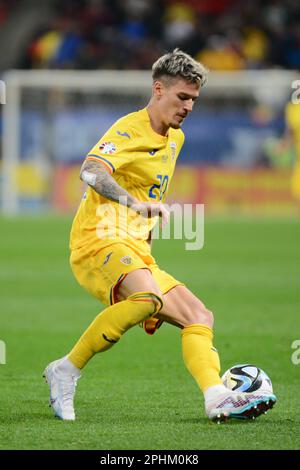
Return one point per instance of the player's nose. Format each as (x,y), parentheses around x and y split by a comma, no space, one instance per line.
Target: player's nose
(188,105)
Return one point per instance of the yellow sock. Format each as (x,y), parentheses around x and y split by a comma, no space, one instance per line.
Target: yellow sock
(111,324)
(199,355)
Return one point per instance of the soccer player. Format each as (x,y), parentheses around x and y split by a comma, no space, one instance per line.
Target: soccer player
(128,173)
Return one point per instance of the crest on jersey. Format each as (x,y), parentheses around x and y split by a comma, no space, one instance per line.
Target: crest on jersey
(108,148)
(126,260)
(173,150)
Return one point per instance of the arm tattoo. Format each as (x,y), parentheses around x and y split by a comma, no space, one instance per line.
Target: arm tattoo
(104,184)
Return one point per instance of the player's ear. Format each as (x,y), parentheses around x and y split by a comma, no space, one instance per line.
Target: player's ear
(158,89)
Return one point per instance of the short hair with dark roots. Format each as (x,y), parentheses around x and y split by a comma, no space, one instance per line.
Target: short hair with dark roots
(179,64)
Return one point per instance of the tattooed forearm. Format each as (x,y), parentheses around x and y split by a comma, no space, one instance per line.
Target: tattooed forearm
(103,183)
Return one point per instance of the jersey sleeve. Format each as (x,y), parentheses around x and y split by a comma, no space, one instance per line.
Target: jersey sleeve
(114,149)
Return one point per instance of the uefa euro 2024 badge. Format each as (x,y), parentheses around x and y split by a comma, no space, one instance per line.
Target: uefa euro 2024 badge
(108,148)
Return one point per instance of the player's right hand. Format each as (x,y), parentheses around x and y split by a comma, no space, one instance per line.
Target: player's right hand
(152,209)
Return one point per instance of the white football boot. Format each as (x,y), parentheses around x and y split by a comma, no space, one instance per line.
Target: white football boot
(239,405)
(62,386)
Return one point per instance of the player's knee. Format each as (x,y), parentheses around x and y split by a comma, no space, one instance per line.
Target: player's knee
(200,315)
(156,302)
(149,302)
(208,318)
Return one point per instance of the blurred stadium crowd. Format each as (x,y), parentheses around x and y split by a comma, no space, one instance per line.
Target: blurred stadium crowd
(57,126)
(131,34)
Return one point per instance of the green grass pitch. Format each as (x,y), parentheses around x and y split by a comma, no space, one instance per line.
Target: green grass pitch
(139,394)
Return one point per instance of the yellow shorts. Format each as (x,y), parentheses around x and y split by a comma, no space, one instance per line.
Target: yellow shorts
(101,273)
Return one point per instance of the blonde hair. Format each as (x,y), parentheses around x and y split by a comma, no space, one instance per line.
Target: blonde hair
(179,64)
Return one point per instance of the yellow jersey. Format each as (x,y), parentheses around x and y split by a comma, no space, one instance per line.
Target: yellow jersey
(292,117)
(142,162)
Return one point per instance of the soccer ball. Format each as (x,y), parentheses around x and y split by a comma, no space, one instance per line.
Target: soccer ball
(247,378)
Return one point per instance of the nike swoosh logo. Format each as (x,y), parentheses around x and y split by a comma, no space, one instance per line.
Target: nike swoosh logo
(123,134)
(107,339)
